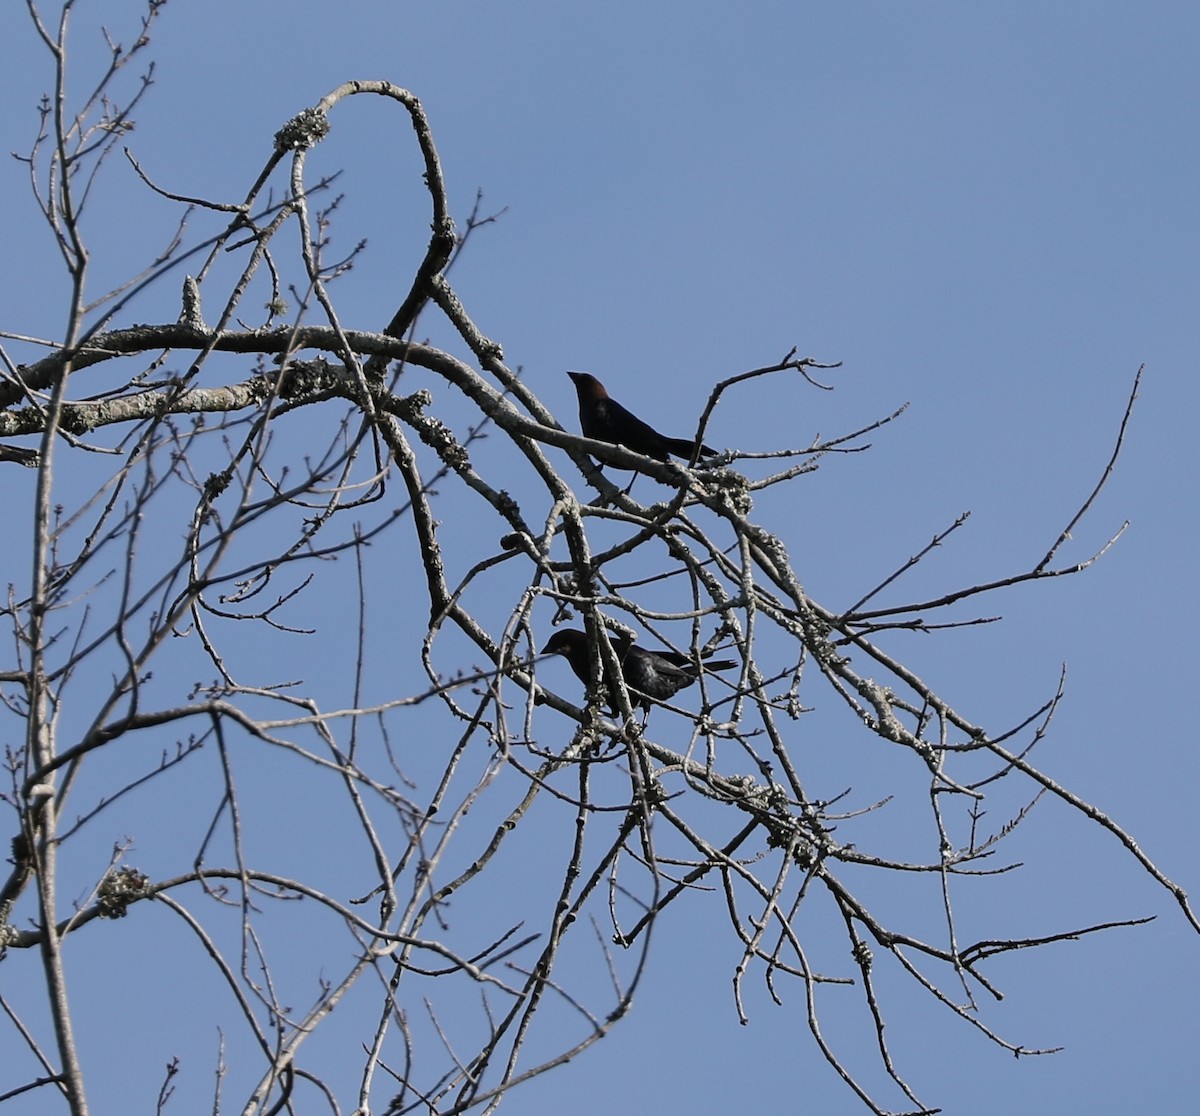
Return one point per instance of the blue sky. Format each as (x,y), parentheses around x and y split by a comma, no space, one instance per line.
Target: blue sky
(986,211)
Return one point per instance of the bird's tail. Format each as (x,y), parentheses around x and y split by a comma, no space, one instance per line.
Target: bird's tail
(719,664)
(682,447)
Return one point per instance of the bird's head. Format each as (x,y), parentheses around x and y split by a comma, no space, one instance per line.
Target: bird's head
(587,386)
(566,641)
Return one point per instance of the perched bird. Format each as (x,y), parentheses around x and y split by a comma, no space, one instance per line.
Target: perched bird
(604,419)
(649,675)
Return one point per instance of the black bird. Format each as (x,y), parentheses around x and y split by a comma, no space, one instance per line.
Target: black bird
(649,675)
(603,418)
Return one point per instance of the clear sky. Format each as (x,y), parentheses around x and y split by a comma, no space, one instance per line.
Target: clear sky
(988,211)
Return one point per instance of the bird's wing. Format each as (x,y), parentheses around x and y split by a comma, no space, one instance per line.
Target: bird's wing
(626,429)
(688,662)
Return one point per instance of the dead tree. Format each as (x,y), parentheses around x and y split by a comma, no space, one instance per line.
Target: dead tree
(277,586)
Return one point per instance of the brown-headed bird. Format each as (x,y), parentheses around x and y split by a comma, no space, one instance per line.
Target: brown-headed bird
(649,675)
(603,418)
